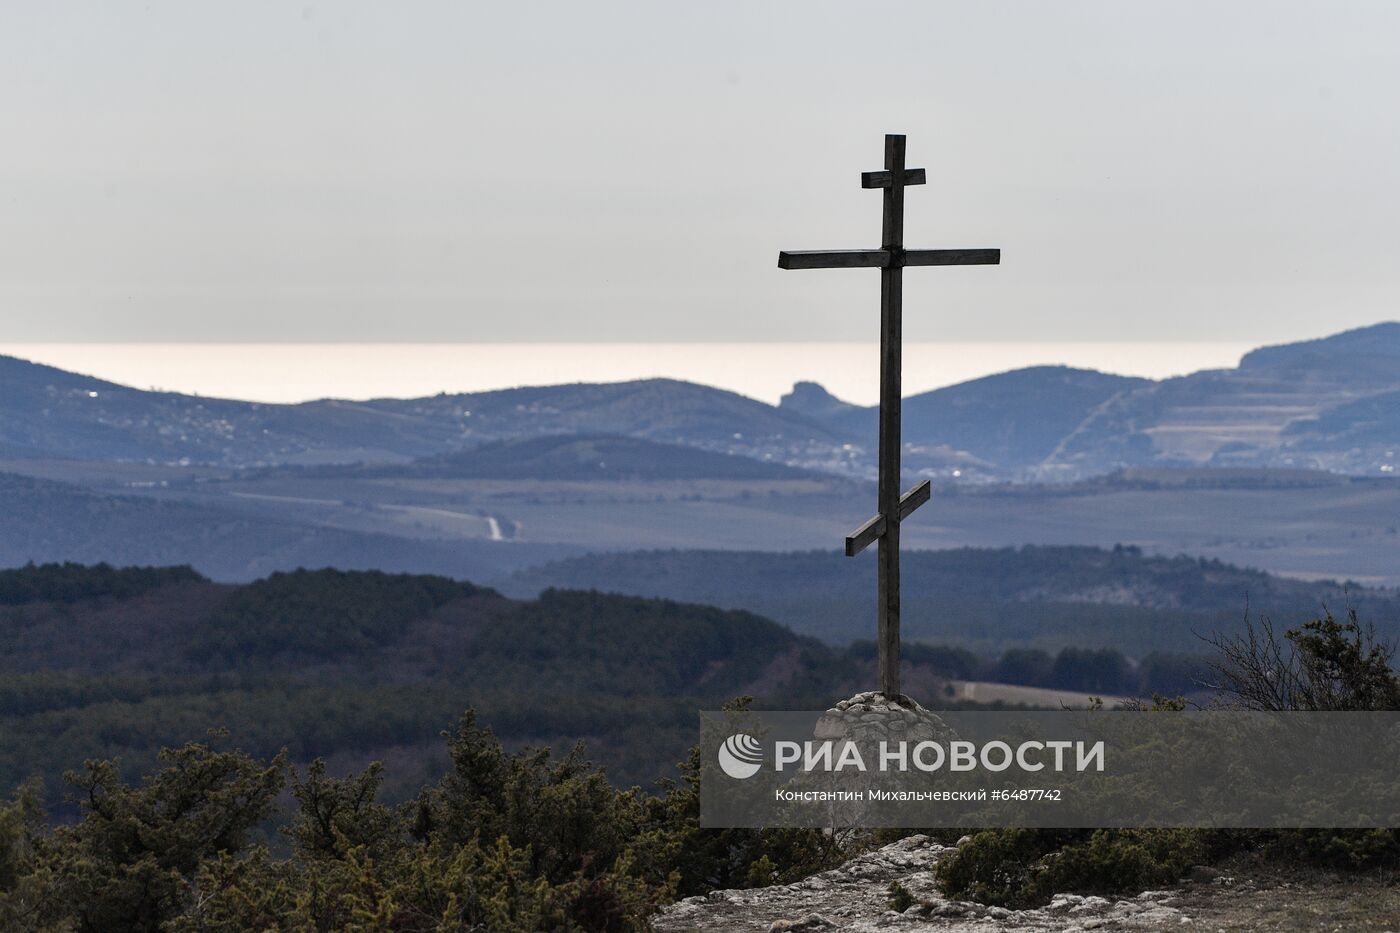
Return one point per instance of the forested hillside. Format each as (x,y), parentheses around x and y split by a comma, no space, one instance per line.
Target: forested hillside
(358,666)
(990,599)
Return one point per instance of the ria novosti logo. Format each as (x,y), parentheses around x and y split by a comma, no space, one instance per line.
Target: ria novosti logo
(740,756)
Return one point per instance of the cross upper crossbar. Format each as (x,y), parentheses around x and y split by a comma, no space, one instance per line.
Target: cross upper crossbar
(912,176)
(891,259)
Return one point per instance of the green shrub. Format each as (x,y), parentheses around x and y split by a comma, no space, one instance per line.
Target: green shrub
(1322,665)
(564,813)
(998,866)
(21,887)
(125,865)
(900,898)
(1345,849)
(1025,867)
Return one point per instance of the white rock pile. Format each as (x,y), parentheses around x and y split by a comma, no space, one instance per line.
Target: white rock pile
(868,718)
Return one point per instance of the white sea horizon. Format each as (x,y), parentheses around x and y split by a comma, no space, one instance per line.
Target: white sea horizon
(295,372)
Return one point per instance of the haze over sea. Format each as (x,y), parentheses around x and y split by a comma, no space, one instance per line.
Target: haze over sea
(293,372)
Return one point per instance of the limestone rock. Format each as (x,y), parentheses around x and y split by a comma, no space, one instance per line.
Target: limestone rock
(870,717)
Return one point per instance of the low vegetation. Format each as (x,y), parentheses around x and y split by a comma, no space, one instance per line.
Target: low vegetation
(504,841)
(1323,665)
(254,828)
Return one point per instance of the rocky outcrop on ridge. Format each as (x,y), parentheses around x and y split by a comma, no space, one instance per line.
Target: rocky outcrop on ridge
(855,898)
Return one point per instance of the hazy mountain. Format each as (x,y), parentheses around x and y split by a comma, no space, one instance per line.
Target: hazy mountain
(1324,404)
(656,409)
(48,412)
(1365,354)
(1272,410)
(1319,404)
(1011,420)
(812,400)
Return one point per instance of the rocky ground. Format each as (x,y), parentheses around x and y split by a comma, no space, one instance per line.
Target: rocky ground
(855,897)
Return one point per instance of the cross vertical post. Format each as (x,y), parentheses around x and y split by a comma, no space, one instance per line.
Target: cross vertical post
(891,313)
(890,259)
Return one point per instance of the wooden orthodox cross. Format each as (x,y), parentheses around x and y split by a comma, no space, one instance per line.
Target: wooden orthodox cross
(890,259)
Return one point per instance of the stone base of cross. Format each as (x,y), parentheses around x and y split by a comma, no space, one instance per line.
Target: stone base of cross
(890,259)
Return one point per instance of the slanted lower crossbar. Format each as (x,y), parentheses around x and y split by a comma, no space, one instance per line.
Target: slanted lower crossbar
(870,532)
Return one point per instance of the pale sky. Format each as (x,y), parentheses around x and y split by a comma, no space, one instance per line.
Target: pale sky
(465,171)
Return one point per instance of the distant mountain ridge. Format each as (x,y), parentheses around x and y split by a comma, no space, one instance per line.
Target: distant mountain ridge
(47,412)
(1327,404)
(1010,419)
(1373,350)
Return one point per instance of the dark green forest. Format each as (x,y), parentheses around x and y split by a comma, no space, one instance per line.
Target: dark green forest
(100,662)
